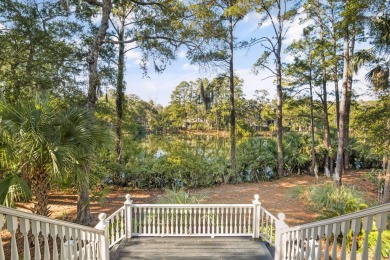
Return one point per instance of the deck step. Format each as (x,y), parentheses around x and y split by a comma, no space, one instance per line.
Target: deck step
(191,248)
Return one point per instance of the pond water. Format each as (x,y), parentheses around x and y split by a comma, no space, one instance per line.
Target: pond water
(196,160)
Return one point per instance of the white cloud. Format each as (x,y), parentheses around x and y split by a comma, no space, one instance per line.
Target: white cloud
(252,19)
(296,27)
(134,56)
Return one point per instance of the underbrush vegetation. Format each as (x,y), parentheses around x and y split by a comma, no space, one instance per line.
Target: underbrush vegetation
(179,196)
(334,201)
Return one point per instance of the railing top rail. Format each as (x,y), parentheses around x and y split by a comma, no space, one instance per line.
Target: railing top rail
(192,205)
(22,214)
(359,214)
(116,212)
(269,213)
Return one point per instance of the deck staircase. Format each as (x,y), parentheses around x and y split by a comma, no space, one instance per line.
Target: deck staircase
(204,231)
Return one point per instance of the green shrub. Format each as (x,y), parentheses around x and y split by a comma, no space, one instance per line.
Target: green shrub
(334,201)
(179,197)
(297,192)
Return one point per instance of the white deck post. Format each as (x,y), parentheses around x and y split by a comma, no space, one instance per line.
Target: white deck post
(279,244)
(104,239)
(128,216)
(256,216)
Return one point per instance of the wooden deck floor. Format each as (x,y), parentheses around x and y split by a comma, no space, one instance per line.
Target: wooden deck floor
(191,248)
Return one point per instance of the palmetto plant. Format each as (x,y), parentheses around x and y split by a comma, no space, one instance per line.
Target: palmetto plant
(46,141)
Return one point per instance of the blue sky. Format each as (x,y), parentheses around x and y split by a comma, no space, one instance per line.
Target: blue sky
(158,87)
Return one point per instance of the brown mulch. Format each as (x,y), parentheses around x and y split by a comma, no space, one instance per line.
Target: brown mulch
(273,196)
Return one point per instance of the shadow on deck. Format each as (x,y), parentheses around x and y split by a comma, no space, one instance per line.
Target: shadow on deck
(191,248)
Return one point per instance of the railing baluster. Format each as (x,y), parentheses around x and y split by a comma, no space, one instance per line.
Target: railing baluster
(2,255)
(24,229)
(208,220)
(380,223)
(231,220)
(249,220)
(196,225)
(144,215)
(313,243)
(45,233)
(190,231)
(302,234)
(12,226)
(75,238)
(181,221)
(149,221)
(185,221)
(36,229)
(235,220)
(123,222)
(355,226)
(367,227)
(288,241)
(134,211)
(140,226)
(172,219)
(320,235)
(336,232)
(204,216)
(307,235)
(158,221)
(177,221)
(328,232)
(344,231)
(154,221)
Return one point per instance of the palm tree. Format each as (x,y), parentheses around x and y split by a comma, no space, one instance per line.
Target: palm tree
(49,141)
(80,132)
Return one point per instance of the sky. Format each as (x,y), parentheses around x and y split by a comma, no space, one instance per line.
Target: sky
(159,86)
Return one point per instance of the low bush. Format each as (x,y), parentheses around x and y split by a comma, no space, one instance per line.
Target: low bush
(334,201)
(179,197)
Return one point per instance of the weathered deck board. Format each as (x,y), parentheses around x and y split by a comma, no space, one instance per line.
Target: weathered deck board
(193,248)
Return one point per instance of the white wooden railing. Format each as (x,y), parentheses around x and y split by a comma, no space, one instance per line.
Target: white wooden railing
(336,237)
(46,238)
(192,220)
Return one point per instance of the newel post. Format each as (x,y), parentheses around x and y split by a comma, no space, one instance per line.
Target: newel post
(104,239)
(128,216)
(279,244)
(256,216)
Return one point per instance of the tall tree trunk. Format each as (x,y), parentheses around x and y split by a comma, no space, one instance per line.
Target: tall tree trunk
(335,65)
(343,106)
(348,107)
(327,142)
(313,153)
(83,210)
(386,173)
(93,82)
(40,188)
(232,100)
(120,88)
(279,94)
(94,50)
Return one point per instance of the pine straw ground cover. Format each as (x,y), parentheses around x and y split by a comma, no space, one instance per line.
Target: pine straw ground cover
(273,196)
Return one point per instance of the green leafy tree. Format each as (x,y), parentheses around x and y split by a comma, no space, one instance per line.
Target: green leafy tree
(38,52)
(284,11)
(216,22)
